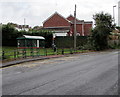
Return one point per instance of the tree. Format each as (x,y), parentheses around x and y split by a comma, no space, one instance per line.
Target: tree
(37,28)
(103,27)
(9,35)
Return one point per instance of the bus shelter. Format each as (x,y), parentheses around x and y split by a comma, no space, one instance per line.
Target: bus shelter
(27,41)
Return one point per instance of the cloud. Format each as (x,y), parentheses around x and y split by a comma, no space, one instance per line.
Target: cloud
(12,12)
(36,11)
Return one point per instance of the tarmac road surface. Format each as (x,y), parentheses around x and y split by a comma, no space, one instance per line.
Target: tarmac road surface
(80,74)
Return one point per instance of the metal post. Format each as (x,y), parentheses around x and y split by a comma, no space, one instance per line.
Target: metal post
(75,28)
(62,51)
(18,53)
(25,53)
(3,55)
(119,13)
(14,53)
(24,24)
(31,51)
(70,50)
(37,51)
(114,14)
(46,51)
(57,51)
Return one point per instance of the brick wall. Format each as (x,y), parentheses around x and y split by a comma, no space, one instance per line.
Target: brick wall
(56,21)
(78,28)
(87,29)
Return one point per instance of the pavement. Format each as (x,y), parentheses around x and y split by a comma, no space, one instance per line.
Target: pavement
(80,74)
(18,61)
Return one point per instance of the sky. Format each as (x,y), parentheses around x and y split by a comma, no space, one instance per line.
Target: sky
(35,12)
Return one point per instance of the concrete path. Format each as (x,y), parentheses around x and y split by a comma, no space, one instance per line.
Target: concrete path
(18,61)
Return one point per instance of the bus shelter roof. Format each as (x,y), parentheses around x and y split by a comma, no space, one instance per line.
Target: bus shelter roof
(31,37)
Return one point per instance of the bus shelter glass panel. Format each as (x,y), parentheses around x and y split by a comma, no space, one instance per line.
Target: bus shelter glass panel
(28,43)
(42,43)
(21,43)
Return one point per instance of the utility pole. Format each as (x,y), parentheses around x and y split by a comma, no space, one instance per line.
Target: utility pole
(75,28)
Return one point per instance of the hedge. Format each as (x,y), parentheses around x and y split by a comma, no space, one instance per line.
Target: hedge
(68,41)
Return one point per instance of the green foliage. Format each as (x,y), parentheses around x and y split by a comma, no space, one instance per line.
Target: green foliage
(68,42)
(118,28)
(99,37)
(9,34)
(43,32)
(104,19)
(8,31)
(114,44)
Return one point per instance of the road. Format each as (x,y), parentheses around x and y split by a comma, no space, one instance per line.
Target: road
(80,74)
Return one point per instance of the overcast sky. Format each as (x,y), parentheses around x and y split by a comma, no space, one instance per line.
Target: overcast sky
(37,11)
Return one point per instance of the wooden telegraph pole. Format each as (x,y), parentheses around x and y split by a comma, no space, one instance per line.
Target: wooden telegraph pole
(75,28)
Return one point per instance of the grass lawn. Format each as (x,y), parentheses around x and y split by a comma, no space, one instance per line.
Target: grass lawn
(13,52)
(7,48)
(9,51)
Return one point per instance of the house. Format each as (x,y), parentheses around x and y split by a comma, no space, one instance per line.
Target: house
(65,26)
(22,27)
(115,34)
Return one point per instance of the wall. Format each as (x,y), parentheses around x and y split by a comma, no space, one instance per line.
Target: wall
(56,21)
(87,29)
